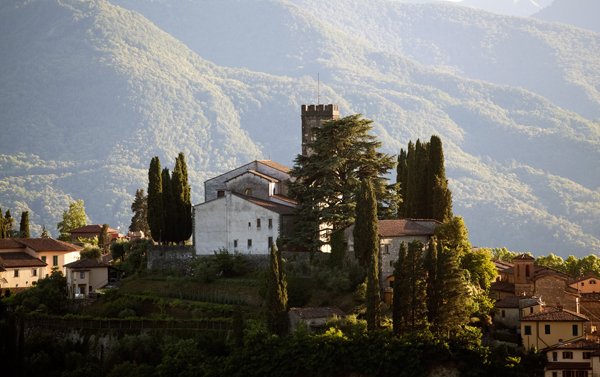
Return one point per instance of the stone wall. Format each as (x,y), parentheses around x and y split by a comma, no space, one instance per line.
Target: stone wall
(162,257)
(551,289)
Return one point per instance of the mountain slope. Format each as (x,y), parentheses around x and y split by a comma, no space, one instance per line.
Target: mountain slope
(501,142)
(580,13)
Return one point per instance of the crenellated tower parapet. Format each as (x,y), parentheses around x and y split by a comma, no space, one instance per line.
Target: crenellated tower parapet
(313,116)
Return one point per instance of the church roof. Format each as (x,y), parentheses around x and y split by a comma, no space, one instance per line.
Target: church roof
(271,179)
(272,206)
(275,165)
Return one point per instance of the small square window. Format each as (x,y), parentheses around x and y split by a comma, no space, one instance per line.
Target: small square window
(531,310)
(554,356)
(220,194)
(44,259)
(587,355)
(249,224)
(270,223)
(16,273)
(567,355)
(55,260)
(82,275)
(270,242)
(235,244)
(528,330)
(33,272)
(575,330)
(547,329)
(504,314)
(257,223)
(582,284)
(249,242)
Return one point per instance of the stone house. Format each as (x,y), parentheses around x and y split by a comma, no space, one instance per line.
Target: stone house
(53,252)
(85,276)
(391,235)
(525,278)
(245,209)
(586,284)
(312,318)
(552,326)
(512,308)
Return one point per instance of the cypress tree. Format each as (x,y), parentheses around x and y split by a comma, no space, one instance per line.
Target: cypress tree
(366,247)
(421,173)
(9,222)
(276,298)
(182,200)
(24,226)
(399,307)
(411,179)
(416,286)
(155,205)
(2,227)
(104,239)
(139,207)
(440,196)
(401,170)
(452,291)
(169,208)
(433,280)
(45,233)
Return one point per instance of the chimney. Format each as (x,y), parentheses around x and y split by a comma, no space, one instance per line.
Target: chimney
(560,342)
(559,306)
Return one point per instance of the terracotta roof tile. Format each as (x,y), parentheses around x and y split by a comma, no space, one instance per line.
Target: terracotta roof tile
(590,297)
(20,259)
(91,229)
(86,263)
(502,286)
(10,243)
(311,313)
(272,206)
(48,244)
(589,275)
(275,165)
(582,344)
(556,315)
(402,227)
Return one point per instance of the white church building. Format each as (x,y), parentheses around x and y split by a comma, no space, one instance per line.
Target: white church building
(245,209)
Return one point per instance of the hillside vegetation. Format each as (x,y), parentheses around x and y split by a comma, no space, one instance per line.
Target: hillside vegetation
(93,91)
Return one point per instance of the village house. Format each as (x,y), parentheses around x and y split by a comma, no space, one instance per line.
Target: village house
(19,270)
(91,231)
(85,276)
(552,326)
(53,253)
(511,308)
(580,358)
(586,284)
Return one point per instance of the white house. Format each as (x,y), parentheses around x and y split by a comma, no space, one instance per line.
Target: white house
(245,209)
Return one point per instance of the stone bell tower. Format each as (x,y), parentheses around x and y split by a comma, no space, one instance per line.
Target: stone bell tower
(314,116)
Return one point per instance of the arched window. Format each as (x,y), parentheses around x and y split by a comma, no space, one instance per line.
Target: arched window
(592,281)
(248,192)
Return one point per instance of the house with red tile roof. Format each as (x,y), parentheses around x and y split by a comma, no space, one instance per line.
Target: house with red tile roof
(245,209)
(85,276)
(586,284)
(53,253)
(578,358)
(552,326)
(19,270)
(90,231)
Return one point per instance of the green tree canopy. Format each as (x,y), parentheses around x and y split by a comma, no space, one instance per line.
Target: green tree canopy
(325,182)
(104,239)
(45,233)
(24,225)
(74,218)
(155,215)
(276,299)
(139,207)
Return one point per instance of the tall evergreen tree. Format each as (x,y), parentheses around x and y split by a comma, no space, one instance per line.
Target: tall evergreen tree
(399,307)
(182,200)
(451,289)
(24,225)
(433,282)
(366,247)
(416,286)
(155,200)
(169,208)
(276,298)
(412,188)
(423,209)
(139,207)
(9,224)
(45,233)
(440,196)
(401,171)
(104,239)
(325,182)
(2,227)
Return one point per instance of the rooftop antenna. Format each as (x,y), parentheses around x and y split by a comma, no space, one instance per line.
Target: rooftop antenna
(318,90)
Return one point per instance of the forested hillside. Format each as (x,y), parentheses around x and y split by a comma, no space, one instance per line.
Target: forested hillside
(581,13)
(93,91)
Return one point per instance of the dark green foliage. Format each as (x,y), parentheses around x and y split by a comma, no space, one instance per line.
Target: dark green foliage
(238,326)
(24,225)
(399,307)
(366,247)
(2,226)
(9,224)
(155,201)
(422,177)
(276,300)
(45,233)
(230,264)
(454,235)
(91,252)
(326,181)
(338,250)
(134,259)
(182,200)
(139,349)
(104,239)
(415,287)
(117,251)
(139,207)
(169,209)
(50,291)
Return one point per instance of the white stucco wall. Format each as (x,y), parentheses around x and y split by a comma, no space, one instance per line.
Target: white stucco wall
(25,278)
(221,221)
